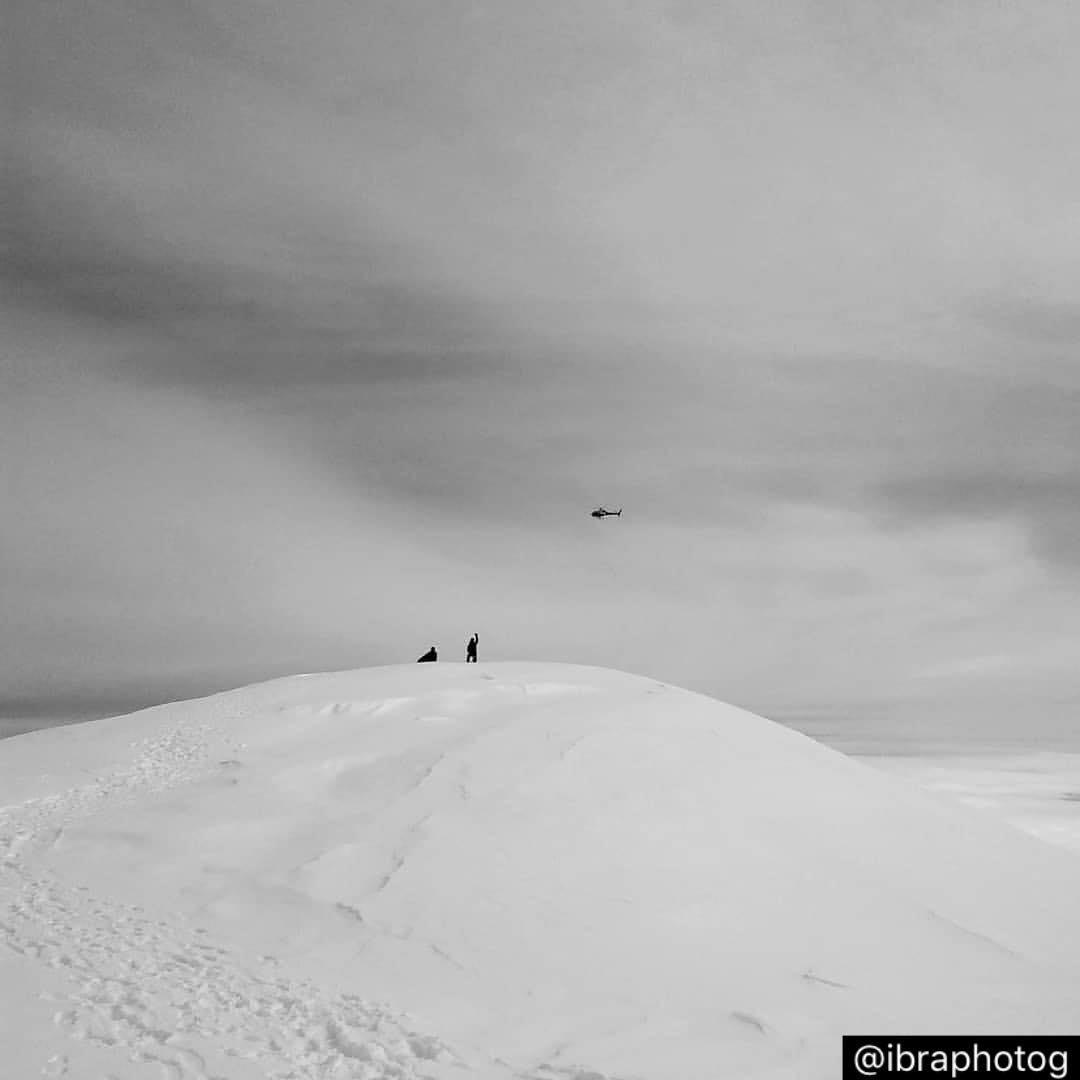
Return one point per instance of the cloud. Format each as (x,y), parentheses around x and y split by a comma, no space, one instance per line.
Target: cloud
(285,191)
(1033,319)
(1046,506)
(419,285)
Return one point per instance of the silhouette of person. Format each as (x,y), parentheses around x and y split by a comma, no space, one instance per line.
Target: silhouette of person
(430,655)
(470,649)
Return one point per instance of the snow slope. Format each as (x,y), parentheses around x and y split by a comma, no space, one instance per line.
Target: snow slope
(506,871)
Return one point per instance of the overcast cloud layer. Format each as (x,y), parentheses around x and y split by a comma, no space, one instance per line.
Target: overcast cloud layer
(327,324)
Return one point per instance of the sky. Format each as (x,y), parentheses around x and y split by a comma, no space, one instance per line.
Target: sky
(326,325)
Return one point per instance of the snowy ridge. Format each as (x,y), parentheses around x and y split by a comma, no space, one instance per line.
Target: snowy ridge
(155,988)
(511,872)
(145,986)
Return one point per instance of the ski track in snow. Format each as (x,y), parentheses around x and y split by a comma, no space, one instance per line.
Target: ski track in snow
(153,987)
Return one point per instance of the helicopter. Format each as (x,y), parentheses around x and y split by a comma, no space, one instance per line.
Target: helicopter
(600,512)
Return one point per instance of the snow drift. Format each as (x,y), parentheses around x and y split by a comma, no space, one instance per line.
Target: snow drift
(528,871)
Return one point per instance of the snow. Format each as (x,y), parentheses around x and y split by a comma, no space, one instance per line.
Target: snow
(504,871)
(1038,791)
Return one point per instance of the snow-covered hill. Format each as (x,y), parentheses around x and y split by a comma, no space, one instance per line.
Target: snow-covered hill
(512,871)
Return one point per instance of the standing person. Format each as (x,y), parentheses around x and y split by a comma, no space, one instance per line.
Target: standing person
(470,649)
(429,656)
